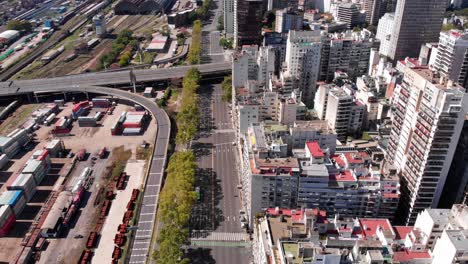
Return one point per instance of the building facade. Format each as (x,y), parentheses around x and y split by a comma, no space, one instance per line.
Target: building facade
(287,19)
(416,22)
(247,22)
(303,61)
(229,16)
(451,53)
(427,121)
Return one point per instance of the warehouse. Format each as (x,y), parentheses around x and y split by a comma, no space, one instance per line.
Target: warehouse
(8,36)
(142,7)
(158,44)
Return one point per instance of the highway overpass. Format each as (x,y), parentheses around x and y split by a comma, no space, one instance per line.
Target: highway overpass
(113,78)
(140,249)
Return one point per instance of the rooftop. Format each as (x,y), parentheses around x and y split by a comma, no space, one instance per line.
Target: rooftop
(405,256)
(402,231)
(315,150)
(370,226)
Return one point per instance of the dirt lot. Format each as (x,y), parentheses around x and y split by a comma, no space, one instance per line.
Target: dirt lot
(93,139)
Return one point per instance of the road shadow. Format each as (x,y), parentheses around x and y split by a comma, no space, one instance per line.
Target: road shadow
(206,214)
(200,256)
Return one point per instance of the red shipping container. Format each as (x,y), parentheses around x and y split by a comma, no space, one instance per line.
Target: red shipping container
(79,105)
(61,131)
(44,155)
(132,125)
(7,225)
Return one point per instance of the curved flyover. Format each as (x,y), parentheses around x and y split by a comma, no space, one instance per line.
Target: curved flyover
(140,248)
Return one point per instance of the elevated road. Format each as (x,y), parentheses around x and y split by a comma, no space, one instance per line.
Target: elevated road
(140,248)
(113,78)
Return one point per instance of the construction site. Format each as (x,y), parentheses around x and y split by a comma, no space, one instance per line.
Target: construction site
(69,181)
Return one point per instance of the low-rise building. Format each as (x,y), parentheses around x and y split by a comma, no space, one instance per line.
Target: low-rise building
(349,181)
(304,236)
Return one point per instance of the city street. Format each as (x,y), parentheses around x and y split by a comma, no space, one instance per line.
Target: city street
(212,51)
(216,219)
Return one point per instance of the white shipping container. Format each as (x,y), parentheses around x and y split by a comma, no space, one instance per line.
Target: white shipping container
(36,154)
(49,119)
(26,183)
(3,160)
(5,214)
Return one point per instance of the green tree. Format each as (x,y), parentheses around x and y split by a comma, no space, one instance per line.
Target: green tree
(269,17)
(226,87)
(19,25)
(194,54)
(220,25)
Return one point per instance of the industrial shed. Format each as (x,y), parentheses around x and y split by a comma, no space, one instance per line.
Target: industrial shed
(142,7)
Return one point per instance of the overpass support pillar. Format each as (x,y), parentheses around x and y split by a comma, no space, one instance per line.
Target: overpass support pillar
(30,100)
(37,98)
(65,96)
(87,96)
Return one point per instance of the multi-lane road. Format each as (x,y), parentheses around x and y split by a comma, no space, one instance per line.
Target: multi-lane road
(113,78)
(216,222)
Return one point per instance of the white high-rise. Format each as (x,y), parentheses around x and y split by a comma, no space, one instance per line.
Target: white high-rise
(384,33)
(453,46)
(303,52)
(427,121)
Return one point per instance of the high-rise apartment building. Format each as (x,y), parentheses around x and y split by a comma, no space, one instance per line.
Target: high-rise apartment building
(416,22)
(343,114)
(428,117)
(347,52)
(287,20)
(374,10)
(247,22)
(384,33)
(350,14)
(456,186)
(303,61)
(229,16)
(451,53)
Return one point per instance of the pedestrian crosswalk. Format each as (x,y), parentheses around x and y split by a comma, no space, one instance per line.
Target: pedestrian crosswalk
(202,243)
(218,236)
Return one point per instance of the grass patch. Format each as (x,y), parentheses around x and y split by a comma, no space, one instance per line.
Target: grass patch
(120,156)
(17,118)
(174,96)
(143,153)
(366,136)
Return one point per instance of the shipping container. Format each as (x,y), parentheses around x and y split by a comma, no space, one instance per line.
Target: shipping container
(7,220)
(37,168)
(80,105)
(36,154)
(25,183)
(49,119)
(131,125)
(3,160)
(45,157)
(15,199)
(60,102)
(131,131)
(55,147)
(98,116)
